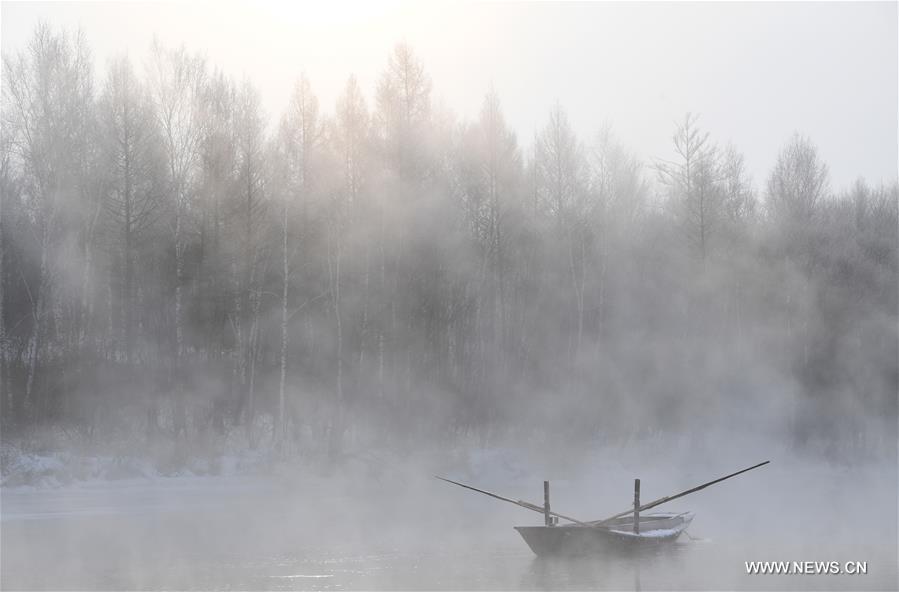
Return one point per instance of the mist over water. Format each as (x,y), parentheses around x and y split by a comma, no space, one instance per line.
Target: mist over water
(237,346)
(407,531)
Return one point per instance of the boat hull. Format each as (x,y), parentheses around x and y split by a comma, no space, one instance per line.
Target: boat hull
(575,539)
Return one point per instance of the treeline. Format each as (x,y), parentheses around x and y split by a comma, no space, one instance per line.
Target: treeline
(173,265)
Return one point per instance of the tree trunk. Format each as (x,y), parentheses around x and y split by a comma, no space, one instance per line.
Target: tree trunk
(34,342)
(6,402)
(284,338)
(334,256)
(179,418)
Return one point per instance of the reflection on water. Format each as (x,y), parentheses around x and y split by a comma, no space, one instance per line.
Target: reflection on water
(614,570)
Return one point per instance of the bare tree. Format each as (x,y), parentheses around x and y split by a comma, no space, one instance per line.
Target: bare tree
(216,188)
(488,179)
(562,171)
(403,106)
(47,98)
(398,275)
(401,121)
(739,195)
(350,138)
(619,198)
(177,82)
(694,184)
(300,136)
(249,137)
(133,158)
(798,182)
(9,192)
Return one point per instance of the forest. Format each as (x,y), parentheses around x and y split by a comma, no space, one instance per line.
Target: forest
(180,268)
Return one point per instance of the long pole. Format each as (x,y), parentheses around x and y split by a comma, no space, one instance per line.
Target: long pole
(637,509)
(668,498)
(636,506)
(547,519)
(523,504)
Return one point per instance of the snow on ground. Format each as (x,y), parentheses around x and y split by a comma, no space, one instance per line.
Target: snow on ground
(46,469)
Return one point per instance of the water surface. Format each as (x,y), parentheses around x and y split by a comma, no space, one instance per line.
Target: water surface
(256,534)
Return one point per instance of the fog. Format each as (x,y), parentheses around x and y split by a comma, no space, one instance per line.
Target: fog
(401,531)
(245,319)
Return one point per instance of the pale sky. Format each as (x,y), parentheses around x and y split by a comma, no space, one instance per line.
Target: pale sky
(755,72)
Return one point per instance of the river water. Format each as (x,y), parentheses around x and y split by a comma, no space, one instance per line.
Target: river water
(229,533)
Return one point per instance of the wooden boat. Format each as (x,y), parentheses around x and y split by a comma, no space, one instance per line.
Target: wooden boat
(629,529)
(577,539)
